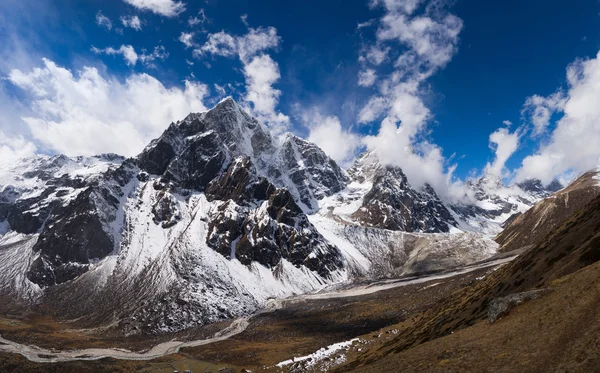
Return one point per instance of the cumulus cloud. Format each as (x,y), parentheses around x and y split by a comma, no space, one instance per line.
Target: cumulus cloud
(260,70)
(540,109)
(573,144)
(327,132)
(428,36)
(131,57)
(261,74)
(367,78)
(85,113)
(504,144)
(132,21)
(103,21)
(507,123)
(166,8)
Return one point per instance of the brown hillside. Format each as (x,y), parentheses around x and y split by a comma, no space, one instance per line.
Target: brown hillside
(532,227)
(574,245)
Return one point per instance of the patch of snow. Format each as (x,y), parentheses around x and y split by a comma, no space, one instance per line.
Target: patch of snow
(316,357)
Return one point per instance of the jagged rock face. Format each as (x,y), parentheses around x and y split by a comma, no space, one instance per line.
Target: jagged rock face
(240,184)
(535,187)
(58,199)
(198,149)
(165,210)
(312,173)
(392,203)
(259,223)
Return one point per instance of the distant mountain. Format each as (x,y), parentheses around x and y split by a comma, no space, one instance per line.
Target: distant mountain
(496,203)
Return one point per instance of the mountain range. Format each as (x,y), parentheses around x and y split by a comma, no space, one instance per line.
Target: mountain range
(217,216)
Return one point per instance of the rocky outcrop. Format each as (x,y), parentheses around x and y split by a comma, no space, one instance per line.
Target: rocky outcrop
(501,306)
(306,171)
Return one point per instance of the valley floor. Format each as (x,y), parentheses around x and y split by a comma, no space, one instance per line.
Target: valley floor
(558,332)
(301,326)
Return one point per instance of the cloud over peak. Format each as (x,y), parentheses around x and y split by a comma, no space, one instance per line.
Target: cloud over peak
(424,38)
(85,113)
(260,70)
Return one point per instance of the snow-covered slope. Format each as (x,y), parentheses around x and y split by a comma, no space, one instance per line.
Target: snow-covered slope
(496,203)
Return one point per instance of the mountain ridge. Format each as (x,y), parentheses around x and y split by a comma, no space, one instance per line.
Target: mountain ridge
(207,223)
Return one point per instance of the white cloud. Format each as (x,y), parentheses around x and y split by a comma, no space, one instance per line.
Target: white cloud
(504,144)
(260,70)
(374,109)
(220,90)
(159,53)
(507,123)
(432,40)
(127,51)
(365,24)
(86,113)
(167,8)
(246,46)
(220,44)
(131,57)
(375,55)
(405,6)
(132,21)
(103,21)
(261,74)
(327,133)
(540,109)
(573,145)
(428,35)
(244,18)
(187,38)
(13,149)
(367,78)
(200,19)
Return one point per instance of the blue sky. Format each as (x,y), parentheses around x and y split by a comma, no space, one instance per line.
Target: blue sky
(488,57)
